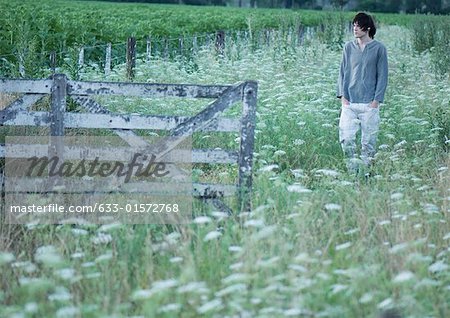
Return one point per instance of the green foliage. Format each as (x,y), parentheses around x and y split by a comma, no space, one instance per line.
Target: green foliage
(432,35)
(333,30)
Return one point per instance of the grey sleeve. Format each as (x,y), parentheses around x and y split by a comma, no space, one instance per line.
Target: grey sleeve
(340,82)
(382,75)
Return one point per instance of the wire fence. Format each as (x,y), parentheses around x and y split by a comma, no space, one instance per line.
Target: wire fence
(107,56)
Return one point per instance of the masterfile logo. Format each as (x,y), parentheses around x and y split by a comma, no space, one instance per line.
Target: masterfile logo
(52,179)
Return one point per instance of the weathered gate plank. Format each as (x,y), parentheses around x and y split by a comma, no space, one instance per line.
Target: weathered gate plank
(146,90)
(111,121)
(25,86)
(212,111)
(124,154)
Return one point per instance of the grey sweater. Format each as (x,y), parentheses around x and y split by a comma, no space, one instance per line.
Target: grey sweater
(363,75)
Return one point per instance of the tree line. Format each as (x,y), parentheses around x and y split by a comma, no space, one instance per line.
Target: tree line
(392,6)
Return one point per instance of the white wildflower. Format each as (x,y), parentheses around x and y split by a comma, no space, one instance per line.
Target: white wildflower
(351,231)
(6,257)
(403,277)
(236,266)
(430,208)
(268,168)
(264,232)
(397,196)
(212,236)
(235,249)
(101,238)
(202,220)
(65,273)
(385,303)
(176,259)
(336,288)
(219,215)
(170,308)
(366,298)
(104,257)
(234,278)
(31,308)
(298,268)
(141,294)
(298,142)
(232,289)
(193,287)
(398,248)
(79,232)
(254,223)
(48,255)
(268,262)
(60,294)
(296,312)
(328,173)
(343,246)
(162,285)
(332,207)
(69,311)
(298,188)
(94,275)
(109,227)
(77,255)
(438,266)
(211,305)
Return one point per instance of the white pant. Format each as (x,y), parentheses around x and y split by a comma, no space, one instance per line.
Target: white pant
(353,117)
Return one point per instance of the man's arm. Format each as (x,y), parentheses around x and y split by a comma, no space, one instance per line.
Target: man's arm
(340,83)
(382,76)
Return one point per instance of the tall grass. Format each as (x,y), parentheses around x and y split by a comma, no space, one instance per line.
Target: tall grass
(318,243)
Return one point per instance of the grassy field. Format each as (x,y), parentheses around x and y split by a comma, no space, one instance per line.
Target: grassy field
(318,242)
(31,30)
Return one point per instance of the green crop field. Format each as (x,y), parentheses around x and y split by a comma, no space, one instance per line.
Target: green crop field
(318,241)
(30,30)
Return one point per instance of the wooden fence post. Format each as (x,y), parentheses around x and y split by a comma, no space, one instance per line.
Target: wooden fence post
(53,62)
(58,108)
(166,49)
(148,54)
(108,59)
(247,138)
(81,58)
(131,57)
(301,34)
(181,45)
(21,65)
(267,37)
(220,42)
(194,44)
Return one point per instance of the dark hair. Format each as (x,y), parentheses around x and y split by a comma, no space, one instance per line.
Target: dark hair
(365,22)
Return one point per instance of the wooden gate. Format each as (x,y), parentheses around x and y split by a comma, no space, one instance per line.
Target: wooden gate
(58,118)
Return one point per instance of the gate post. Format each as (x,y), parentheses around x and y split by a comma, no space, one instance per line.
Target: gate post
(247,138)
(58,108)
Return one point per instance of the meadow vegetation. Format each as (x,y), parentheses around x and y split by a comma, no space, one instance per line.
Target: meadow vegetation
(317,243)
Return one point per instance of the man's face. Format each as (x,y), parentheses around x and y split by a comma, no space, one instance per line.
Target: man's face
(358,32)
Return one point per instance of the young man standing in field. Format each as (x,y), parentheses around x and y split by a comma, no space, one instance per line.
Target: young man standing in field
(362,82)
